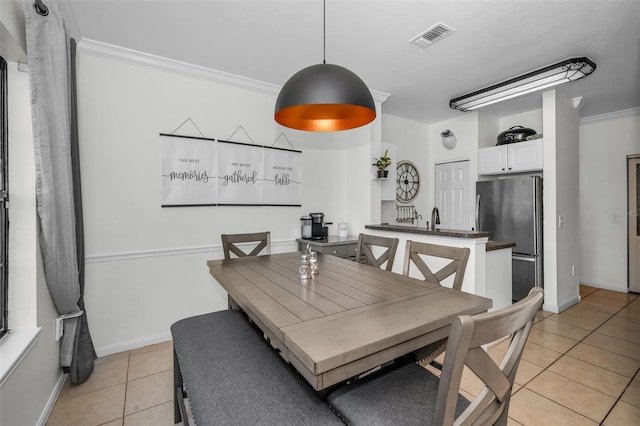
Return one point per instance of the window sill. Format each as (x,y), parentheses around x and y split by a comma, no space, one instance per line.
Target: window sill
(14,347)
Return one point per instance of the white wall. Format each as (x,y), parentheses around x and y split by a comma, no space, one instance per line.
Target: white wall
(466,128)
(605,141)
(412,143)
(560,198)
(25,396)
(147,265)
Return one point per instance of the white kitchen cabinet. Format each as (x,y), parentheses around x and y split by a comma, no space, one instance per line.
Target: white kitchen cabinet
(511,158)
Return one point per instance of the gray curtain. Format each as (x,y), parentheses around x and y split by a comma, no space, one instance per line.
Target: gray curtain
(51,59)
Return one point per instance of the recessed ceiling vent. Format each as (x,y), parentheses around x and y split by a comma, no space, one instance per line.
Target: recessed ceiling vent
(432,34)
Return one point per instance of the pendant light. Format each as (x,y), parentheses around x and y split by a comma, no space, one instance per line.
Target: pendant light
(324,98)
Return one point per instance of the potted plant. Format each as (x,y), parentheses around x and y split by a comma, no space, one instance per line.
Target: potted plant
(382,163)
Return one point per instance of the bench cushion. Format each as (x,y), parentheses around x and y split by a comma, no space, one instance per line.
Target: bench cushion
(380,398)
(233,377)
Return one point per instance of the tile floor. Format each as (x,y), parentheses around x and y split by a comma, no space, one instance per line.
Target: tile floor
(579,367)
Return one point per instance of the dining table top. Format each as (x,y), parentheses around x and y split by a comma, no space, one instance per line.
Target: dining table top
(344,321)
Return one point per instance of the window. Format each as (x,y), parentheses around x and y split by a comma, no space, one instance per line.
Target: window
(4,199)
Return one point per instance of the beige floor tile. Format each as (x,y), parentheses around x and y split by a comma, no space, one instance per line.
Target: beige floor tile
(94,408)
(612,298)
(597,306)
(551,341)
(529,408)
(541,315)
(470,383)
(511,422)
(632,394)
(526,372)
(117,422)
(581,309)
(151,348)
(607,360)
(622,328)
(605,381)
(104,375)
(586,290)
(112,357)
(630,312)
(149,363)
(539,355)
(612,344)
(623,414)
(581,319)
(573,395)
(160,415)
(552,325)
(148,392)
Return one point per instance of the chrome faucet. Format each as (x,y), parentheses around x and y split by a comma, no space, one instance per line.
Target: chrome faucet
(435,218)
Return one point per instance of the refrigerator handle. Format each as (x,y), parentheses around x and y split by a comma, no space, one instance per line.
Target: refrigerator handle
(477,212)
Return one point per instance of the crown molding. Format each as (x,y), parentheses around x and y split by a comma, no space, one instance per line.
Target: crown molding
(99,49)
(610,115)
(102,50)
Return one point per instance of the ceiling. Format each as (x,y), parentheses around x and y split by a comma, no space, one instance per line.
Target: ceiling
(493,40)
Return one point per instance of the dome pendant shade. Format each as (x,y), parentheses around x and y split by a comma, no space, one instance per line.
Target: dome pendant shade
(324,98)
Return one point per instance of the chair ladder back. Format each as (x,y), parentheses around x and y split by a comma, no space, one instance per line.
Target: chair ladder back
(229,242)
(366,255)
(467,336)
(459,257)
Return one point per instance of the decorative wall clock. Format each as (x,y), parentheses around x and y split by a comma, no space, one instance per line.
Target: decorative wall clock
(408,181)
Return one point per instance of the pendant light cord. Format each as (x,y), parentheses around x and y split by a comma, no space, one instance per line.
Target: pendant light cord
(324,31)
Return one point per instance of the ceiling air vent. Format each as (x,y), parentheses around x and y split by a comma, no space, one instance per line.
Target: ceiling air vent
(431,35)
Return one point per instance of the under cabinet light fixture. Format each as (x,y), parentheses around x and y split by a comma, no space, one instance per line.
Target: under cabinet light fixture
(563,72)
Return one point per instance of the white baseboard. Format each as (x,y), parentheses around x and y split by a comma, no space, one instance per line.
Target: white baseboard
(556,309)
(620,289)
(132,344)
(42,421)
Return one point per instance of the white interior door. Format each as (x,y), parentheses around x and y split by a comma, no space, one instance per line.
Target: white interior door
(634,224)
(453,195)
(443,186)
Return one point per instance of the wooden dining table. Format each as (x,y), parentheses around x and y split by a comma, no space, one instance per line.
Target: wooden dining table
(345,321)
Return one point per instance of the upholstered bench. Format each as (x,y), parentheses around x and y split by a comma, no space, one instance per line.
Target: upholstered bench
(232,376)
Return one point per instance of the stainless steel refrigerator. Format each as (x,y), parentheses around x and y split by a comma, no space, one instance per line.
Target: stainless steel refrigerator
(511,210)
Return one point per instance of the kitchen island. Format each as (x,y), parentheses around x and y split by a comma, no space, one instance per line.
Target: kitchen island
(488,269)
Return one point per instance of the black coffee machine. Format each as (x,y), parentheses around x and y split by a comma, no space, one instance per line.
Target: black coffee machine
(318,229)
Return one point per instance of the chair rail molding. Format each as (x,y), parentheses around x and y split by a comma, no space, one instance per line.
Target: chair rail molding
(215,250)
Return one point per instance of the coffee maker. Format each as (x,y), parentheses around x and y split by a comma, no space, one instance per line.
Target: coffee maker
(318,229)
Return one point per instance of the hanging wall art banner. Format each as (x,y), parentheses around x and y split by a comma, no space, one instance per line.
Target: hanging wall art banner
(189,170)
(240,174)
(282,176)
(205,172)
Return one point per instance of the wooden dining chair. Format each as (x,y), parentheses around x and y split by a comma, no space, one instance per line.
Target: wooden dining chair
(365,248)
(411,395)
(458,256)
(229,241)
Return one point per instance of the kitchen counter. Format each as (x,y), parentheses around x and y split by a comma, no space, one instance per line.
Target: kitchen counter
(454,233)
(333,245)
(499,245)
(489,269)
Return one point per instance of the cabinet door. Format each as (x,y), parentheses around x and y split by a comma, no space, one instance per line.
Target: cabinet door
(492,160)
(525,156)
